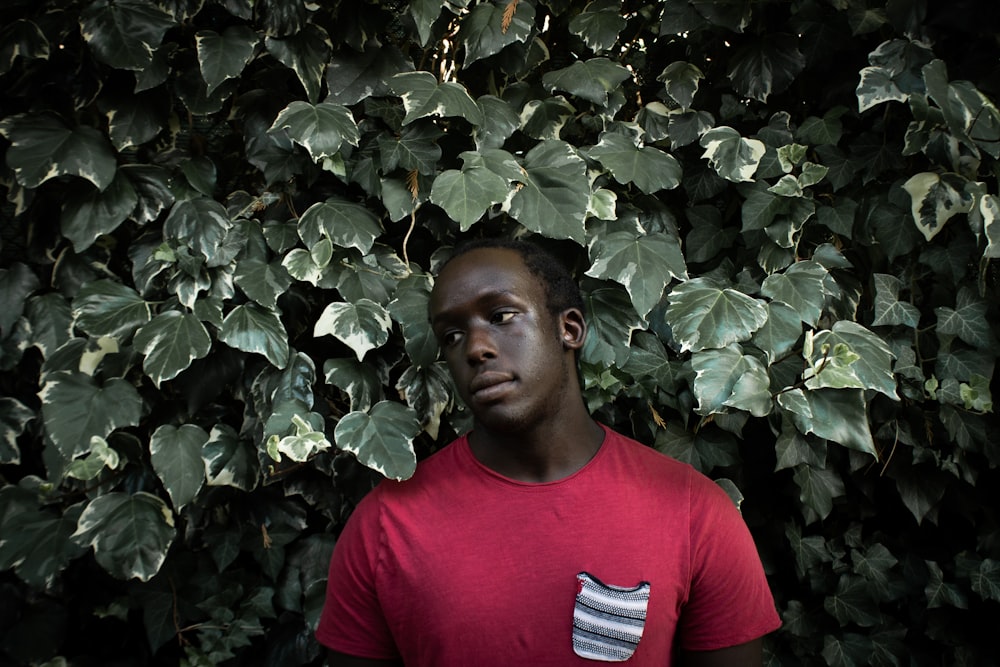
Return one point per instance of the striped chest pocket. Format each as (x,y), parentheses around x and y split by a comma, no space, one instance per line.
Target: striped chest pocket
(608,620)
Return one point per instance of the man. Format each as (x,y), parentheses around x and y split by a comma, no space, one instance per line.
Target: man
(541,538)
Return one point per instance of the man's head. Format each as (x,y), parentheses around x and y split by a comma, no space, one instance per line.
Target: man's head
(498,311)
(561,289)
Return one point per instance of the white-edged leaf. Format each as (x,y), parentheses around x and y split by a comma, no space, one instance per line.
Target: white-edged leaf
(733,157)
(175,452)
(703,315)
(362,326)
(171,341)
(321,128)
(252,328)
(382,438)
(75,409)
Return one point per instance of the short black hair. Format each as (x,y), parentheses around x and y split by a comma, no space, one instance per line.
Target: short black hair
(561,291)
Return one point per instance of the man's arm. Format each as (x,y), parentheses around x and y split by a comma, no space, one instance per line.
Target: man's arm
(335,659)
(744,655)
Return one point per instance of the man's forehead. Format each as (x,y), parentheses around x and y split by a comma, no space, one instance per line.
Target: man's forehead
(481,272)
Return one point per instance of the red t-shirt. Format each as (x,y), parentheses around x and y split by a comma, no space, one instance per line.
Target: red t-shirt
(462,566)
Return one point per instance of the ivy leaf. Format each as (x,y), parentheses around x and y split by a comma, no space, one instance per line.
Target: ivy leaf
(24,39)
(306,53)
(254,329)
(935,200)
(36,544)
(967,320)
(152,185)
(592,80)
(86,218)
(704,316)
(611,321)
(414,149)
(228,460)
(347,224)
(51,322)
(14,417)
(733,157)
(360,381)
(778,335)
(201,224)
(727,378)
(599,24)
(352,77)
(484,33)
(409,308)
(874,564)
(809,551)
(467,194)
(423,96)
(224,56)
(426,12)
(986,580)
(545,119)
(650,169)
(428,390)
(644,264)
(321,128)
(135,120)
(818,487)
(108,308)
(171,341)
(382,438)
(124,33)
(362,326)
(300,446)
(941,593)
(681,82)
(872,366)
(765,66)
(839,415)
(889,310)
(499,122)
(75,409)
(262,281)
(42,147)
(801,287)
(130,534)
(649,363)
(175,452)
(556,192)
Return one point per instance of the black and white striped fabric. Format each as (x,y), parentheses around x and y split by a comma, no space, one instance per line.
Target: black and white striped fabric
(608,620)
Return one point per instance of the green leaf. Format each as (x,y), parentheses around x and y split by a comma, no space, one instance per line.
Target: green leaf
(258,330)
(818,487)
(382,438)
(599,24)
(592,80)
(86,218)
(968,320)
(17,283)
(347,224)
(839,415)
(611,319)
(175,452)
(644,264)
(21,39)
(305,443)
(14,417)
(130,534)
(409,308)
(467,194)
(151,184)
(499,123)
(889,310)
(765,66)
(224,56)
(262,281)
(321,128)
(36,543)
(545,119)
(727,378)
(423,96)
(415,148)
(810,551)
(124,33)
(874,564)
(941,593)
(483,31)
(704,316)
(352,77)
(681,82)
(171,341)
(362,326)
(201,224)
(361,382)
(873,359)
(228,460)
(733,157)
(875,87)
(778,335)
(801,287)
(822,131)
(75,409)
(43,147)
(306,53)
(935,200)
(553,201)
(428,390)
(107,308)
(650,169)
(51,322)
(986,580)
(135,120)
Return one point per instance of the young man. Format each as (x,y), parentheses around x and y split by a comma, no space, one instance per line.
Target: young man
(541,538)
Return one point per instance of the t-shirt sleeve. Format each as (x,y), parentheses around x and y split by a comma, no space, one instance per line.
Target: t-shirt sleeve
(352,621)
(729,602)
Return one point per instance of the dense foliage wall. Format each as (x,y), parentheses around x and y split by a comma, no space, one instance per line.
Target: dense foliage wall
(220,223)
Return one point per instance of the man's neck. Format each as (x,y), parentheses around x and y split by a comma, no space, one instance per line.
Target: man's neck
(546,453)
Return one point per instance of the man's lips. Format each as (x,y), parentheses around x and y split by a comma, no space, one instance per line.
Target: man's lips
(489,384)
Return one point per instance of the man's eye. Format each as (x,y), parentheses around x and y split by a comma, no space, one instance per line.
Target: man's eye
(450,338)
(503,316)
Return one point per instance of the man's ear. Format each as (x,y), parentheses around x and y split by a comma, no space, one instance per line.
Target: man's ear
(572,328)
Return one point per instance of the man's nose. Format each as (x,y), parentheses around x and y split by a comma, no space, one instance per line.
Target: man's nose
(479,344)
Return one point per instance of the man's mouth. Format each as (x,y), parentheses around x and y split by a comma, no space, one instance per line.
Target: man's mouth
(489,385)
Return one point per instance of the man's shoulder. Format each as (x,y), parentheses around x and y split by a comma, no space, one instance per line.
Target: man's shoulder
(659,468)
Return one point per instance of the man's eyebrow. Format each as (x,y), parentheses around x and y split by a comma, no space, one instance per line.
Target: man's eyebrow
(491,295)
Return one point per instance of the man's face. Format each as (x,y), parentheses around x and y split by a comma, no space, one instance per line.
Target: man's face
(511,359)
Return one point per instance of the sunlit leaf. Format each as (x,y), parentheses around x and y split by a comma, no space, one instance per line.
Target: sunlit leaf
(727,378)
(321,129)
(130,534)
(935,200)
(888,308)
(423,96)
(382,438)
(645,265)
(801,287)
(872,358)
(108,308)
(556,191)
(483,31)
(681,82)
(839,415)
(591,80)
(362,326)
(347,224)
(650,169)
(967,320)
(733,157)
(704,316)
